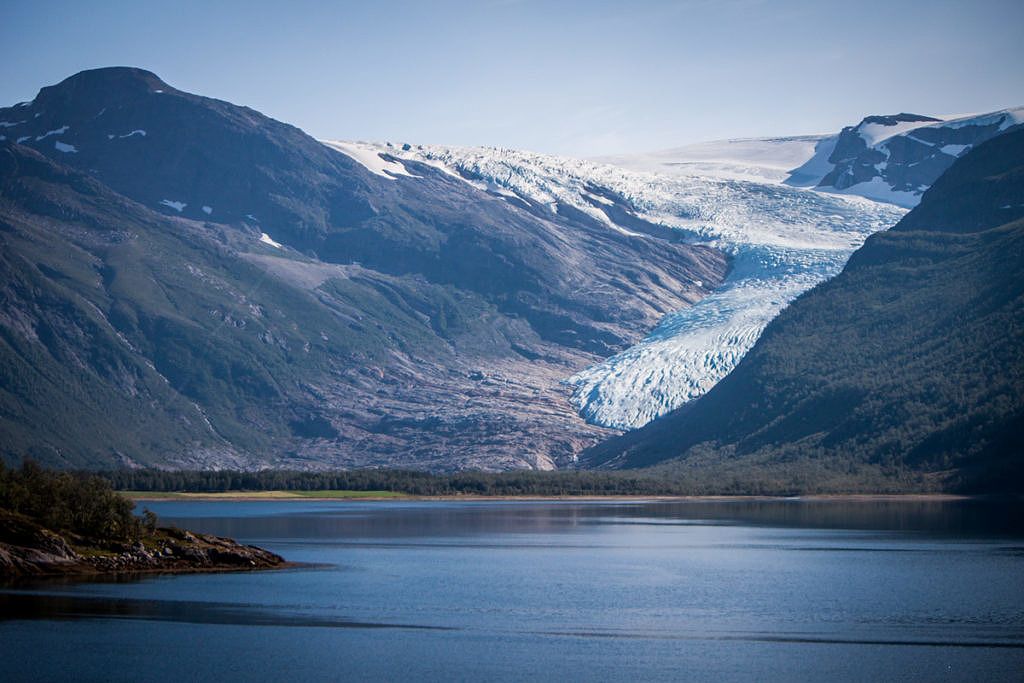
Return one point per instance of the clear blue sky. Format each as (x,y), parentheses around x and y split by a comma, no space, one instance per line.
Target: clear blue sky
(583,78)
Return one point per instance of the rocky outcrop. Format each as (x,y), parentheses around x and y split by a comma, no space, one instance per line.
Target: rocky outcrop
(856,157)
(895,158)
(27,549)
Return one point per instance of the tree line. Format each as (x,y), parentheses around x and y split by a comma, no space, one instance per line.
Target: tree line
(75,502)
(564,483)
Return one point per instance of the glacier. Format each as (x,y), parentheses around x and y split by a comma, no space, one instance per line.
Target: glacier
(783,240)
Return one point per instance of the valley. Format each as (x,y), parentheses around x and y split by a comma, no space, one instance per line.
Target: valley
(232,293)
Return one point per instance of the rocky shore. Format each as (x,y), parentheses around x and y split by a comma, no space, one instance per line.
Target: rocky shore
(27,549)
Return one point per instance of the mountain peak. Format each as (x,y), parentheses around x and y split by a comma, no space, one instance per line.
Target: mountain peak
(102,87)
(893,119)
(112,76)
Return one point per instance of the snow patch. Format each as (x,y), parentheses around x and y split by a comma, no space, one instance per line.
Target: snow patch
(369,156)
(134,132)
(915,139)
(267,239)
(812,171)
(954,150)
(23,138)
(1004,117)
(63,147)
(207,210)
(10,124)
(177,206)
(874,133)
(881,191)
(599,198)
(55,131)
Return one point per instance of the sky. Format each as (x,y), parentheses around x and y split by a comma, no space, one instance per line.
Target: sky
(584,78)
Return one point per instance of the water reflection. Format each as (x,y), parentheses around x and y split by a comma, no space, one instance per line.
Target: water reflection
(16,605)
(425,520)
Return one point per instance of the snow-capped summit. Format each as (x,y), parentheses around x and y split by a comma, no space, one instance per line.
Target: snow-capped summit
(896,158)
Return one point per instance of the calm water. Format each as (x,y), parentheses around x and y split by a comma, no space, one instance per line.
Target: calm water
(554,590)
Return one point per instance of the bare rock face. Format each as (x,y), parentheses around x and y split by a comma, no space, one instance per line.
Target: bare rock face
(897,157)
(25,547)
(855,157)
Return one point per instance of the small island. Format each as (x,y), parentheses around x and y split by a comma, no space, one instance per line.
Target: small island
(63,524)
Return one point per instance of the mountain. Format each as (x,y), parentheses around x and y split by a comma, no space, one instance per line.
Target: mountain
(740,196)
(905,371)
(189,283)
(896,158)
(194,284)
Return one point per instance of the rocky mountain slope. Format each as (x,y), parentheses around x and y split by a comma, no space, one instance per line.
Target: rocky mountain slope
(896,158)
(906,370)
(189,283)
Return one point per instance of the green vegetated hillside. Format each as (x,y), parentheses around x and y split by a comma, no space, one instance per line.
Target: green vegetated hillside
(905,372)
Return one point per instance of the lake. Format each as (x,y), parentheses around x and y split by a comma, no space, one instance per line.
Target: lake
(553,590)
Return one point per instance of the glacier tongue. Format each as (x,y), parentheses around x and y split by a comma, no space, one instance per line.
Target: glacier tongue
(783,241)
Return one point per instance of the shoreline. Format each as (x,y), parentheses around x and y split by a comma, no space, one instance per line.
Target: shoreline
(309,496)
(28,549)
(76,572)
